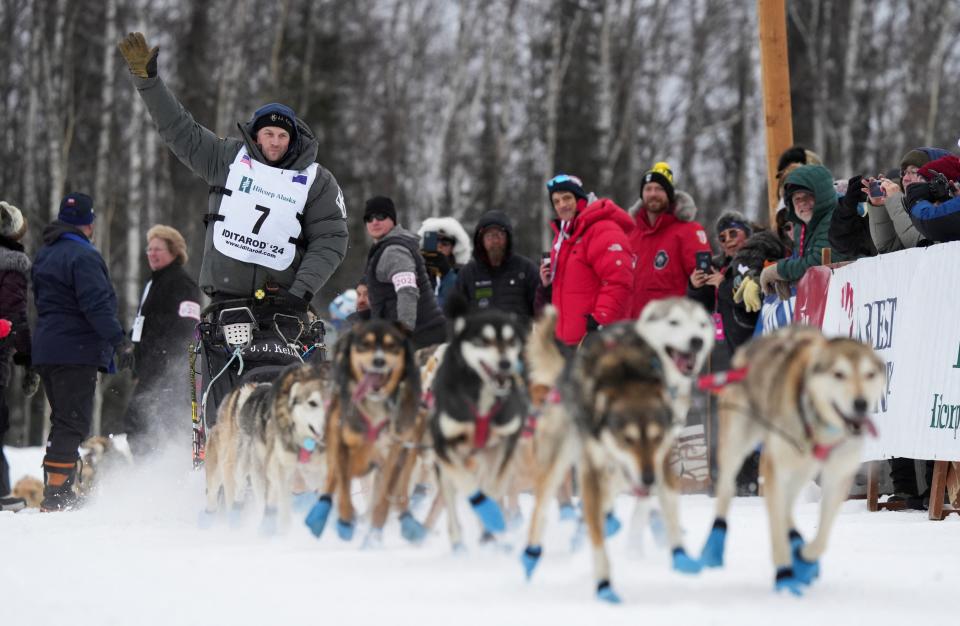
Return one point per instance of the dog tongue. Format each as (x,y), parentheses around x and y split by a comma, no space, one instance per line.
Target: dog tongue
(684,362)
(870,426)
(372,380)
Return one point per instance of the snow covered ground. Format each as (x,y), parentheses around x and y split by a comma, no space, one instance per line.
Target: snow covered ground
(134,555)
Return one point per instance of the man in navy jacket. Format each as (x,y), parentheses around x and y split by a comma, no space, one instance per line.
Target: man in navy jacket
(77,334)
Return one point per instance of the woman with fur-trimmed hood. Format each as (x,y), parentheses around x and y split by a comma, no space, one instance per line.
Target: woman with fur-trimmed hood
(665,239)
(14,270)
(453,252)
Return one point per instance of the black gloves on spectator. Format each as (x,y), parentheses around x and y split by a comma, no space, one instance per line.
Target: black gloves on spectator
(917,192)
(123,355)
(854,195)
(592,323)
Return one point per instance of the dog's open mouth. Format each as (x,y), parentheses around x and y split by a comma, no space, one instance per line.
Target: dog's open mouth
(856,424)
(686,362)
(501,379)
(374,379)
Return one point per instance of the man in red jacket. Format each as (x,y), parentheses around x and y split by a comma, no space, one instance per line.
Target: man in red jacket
(665,239)
(590,275)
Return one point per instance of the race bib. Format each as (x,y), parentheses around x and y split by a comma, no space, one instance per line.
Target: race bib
(259,216)
(137,329)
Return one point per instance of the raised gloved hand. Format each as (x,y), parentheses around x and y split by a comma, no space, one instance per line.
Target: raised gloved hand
(30,383)
(854,195)
(123,355)
(768,277)
(140,58)
(917,192)
(749,294)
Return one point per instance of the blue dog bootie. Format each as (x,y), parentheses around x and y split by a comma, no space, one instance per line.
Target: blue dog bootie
(317,517)
(411,530)
(803,570)
(488,512)
(530,558)
(712,554)
(786,581)
(683,563)
(606,593)
(611,525)
(345,529)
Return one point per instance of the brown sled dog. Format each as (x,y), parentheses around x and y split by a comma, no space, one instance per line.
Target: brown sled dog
(807,399)
(614,417)
(373,425)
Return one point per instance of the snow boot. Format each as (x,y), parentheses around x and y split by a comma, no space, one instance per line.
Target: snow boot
(9,503)
(58,478)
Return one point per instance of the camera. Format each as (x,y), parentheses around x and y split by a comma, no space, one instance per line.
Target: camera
(703,261)
(876,189)
(940,188)
(545,259)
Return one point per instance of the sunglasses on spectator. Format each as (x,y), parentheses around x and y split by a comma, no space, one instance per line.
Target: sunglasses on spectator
(378,217)
(730,233)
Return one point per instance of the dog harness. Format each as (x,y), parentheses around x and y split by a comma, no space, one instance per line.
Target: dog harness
(481,429)
(716,382)
(373,430)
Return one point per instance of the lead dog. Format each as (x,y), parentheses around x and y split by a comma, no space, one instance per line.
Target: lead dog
(614,415)
(807,399)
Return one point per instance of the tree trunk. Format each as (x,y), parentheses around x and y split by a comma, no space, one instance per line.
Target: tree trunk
(100,195)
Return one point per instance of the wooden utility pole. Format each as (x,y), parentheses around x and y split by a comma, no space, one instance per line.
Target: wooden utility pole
(775,75)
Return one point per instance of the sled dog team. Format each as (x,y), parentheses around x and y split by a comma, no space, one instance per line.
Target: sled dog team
(611,411)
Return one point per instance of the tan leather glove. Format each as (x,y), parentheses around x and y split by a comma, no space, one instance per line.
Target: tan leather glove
(749,293)
(140,58)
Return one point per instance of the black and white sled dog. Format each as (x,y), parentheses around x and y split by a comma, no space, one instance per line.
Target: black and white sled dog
(265,433)
(480,405)
(616,412)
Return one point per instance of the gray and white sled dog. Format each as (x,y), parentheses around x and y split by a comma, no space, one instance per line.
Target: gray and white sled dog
(265,433)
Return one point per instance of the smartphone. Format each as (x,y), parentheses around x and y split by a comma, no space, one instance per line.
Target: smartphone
(876,189)
(703,261)
(545,259)
(429,241)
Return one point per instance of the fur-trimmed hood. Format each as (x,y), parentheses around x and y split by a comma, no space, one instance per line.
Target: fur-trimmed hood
(449,227)
(684,208)
(13,260)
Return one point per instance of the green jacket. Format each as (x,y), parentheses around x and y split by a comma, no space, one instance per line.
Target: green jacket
(814,234)
(324,223)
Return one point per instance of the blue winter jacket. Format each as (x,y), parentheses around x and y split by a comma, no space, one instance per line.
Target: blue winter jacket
(937,222)
(76,305)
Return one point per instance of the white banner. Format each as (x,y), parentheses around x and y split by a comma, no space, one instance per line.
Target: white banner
(906,305)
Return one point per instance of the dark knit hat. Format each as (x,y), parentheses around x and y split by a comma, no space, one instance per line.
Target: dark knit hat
(949,166)
(76,209)
(918,157)
(661,174)
(275,114)
(566,182)
(381,205)
(733,219)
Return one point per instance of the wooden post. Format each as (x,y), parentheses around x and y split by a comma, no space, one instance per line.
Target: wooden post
(775,75)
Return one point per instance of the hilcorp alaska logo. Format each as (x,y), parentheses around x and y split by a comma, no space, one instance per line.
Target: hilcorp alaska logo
(945,416)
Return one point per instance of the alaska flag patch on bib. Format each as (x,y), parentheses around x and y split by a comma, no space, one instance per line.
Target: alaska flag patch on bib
(260,212)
